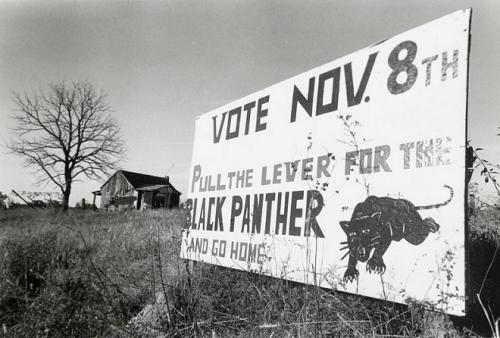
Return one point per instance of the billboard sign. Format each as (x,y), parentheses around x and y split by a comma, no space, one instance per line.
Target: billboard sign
(350,175)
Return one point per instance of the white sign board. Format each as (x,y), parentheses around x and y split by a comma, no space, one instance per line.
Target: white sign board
(350,174)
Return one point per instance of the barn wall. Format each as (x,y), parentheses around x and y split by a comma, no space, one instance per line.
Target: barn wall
(118,191)
(174,201)
(161,198)
(169,198)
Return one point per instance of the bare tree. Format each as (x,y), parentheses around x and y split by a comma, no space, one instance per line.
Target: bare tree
(66,132)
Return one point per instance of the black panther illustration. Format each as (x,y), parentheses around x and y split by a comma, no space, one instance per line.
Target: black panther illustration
(378,221)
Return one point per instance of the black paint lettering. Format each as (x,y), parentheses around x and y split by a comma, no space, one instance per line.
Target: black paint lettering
(365,161)
(441,151)
(334,75)
(264,179)
(217,135)
(270,197)
(295,213)
(350,160)
(230,175)
(203,187)
(240,178)
(248,178)
(380,159)
(314,206)
(243,251)
(196,175)
(245,223)
(235,210)
(234,250)
(248,109)
(404,65)
(277,174)
(355,99)
(214,247)
(232,134)
(299,98)
(453,65)
(428,68)
(209,184)
(201,221)
(323,164)
(291,170)
(218,214)
(194,225)
(281,217)
(261,113)
(222,248)
(220,186)
(252,253)
(406,147)
(257,213)
(424,153)
(210,225)
(305,165)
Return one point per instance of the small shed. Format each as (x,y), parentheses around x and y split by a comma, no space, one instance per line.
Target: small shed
(130,190)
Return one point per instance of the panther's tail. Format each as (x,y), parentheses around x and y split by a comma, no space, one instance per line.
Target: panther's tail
(439,205)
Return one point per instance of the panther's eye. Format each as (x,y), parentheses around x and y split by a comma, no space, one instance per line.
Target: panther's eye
(365,231)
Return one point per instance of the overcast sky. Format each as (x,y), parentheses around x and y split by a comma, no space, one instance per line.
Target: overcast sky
(164,63)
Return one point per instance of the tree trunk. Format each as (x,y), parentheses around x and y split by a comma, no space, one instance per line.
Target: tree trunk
(65,201)
(66,193)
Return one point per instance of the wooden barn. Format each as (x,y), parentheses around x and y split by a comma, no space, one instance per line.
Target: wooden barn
(129,190)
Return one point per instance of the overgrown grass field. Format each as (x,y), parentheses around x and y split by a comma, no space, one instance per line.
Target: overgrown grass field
(97,274)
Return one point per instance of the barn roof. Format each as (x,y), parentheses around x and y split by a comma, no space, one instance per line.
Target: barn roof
(138,180)
(152,187)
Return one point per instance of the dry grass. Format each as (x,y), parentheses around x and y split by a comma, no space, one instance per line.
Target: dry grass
(77,275)
(89,274)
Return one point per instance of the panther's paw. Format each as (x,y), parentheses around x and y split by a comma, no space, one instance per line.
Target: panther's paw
(376,265)
(350,275)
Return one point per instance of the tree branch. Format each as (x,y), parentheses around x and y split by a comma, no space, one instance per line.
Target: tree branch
(66,132)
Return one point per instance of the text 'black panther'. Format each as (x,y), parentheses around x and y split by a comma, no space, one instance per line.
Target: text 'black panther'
(378,221)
